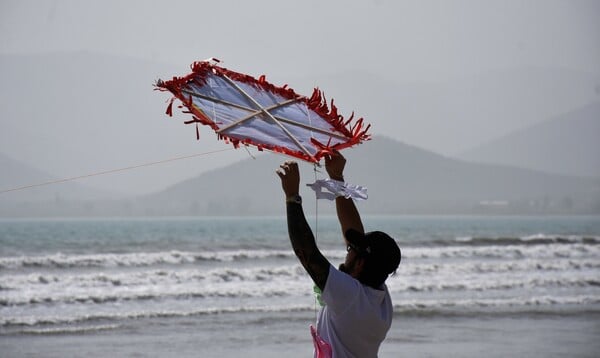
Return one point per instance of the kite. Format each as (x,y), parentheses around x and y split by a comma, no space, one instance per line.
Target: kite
(244,110)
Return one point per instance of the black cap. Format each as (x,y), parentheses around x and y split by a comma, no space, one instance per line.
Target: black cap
(377,247)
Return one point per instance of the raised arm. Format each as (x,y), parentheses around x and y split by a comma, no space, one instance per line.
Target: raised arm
(301,236)
(347,212)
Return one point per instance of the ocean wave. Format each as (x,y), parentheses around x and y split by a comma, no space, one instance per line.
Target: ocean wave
(504,252)
(146,295)
(140,314)
(241,282)
(472,306)
(138,259)
(502,285)
(288,281)
(66,329)
(464,248)
(537,239)
(425,268)
(498,305)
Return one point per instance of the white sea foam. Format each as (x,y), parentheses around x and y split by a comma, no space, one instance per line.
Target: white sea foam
(116,315)
(521,302)
(69,329)
(142,259)
(150,284)
(65,261)
(507,252)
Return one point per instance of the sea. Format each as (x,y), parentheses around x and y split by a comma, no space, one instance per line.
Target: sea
(467,286)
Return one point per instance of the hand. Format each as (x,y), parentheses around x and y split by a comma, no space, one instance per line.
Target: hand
(334,164)
(290,178)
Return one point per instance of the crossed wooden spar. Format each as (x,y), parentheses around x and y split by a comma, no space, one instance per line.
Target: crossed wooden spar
(264,110)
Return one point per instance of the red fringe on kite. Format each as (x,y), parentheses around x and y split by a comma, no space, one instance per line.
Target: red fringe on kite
(242,109)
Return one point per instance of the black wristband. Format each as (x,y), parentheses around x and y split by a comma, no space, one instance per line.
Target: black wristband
(294,199)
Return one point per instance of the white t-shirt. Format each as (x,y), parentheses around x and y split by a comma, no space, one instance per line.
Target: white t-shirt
(356,317)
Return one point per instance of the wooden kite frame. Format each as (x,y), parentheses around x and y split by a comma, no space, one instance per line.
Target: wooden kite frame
(351,133)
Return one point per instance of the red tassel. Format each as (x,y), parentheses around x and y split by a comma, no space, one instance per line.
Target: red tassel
(169,111)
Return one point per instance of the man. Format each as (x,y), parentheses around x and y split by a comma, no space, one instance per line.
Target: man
(358,310)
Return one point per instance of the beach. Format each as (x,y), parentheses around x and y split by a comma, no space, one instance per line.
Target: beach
(230,287)
(565,335)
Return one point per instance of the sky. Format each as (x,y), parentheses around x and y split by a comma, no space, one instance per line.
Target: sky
(414,40)
(408,42)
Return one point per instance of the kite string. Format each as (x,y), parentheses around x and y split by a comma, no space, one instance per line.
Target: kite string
(316,230)
(316,207)
(316,197)
(111,171)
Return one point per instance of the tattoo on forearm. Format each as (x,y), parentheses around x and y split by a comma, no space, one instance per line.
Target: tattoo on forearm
(305,247)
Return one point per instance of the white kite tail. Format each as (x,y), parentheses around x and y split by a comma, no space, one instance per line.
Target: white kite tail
(330,189)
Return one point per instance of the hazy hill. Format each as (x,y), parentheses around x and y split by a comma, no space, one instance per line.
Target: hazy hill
(40,199)
(566,144)
(400,179)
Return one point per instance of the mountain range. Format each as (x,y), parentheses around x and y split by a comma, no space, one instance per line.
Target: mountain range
(566,144)
(28,191)
(401,179)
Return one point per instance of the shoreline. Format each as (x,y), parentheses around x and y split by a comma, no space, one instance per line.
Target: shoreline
(275,335)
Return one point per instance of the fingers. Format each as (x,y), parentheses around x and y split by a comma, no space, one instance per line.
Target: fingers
(286,168)
(290,178)
(330,156)
(289,165)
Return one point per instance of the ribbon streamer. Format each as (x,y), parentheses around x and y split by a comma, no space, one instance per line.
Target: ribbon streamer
(322,348)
